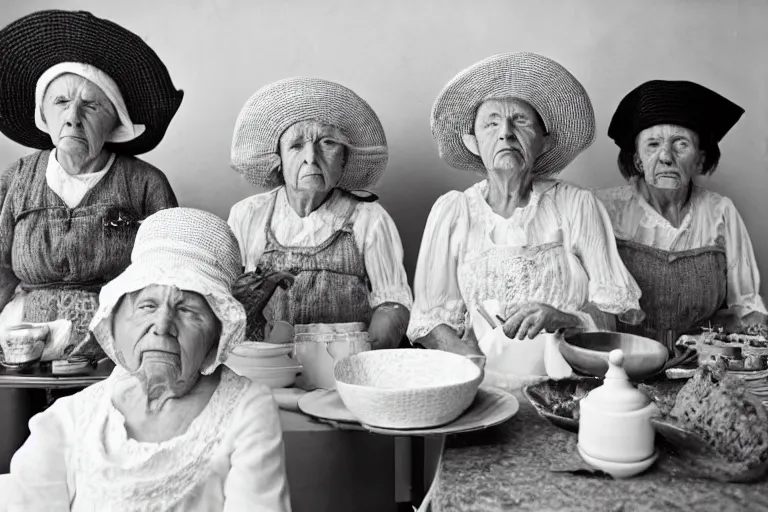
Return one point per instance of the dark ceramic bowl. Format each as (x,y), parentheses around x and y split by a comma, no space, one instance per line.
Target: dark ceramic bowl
(554,399)
(588,353)
(557,400)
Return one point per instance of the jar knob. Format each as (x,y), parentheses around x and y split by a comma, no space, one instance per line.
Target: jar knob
(616,357)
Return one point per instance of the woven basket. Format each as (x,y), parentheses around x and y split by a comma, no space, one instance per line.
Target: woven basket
(407,388)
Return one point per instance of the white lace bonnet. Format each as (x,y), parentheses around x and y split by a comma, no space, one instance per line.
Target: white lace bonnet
(556,94)
(192,250)
(275,107)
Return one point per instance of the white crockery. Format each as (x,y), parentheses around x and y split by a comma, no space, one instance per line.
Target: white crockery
(615,420)
(271,377)
(317,353)
(619,470)
(407,388)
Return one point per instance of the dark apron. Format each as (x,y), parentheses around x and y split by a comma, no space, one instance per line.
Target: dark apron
(331,286)
(86,246)
(680,290)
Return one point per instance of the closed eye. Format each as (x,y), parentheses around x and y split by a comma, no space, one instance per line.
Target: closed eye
(147,306)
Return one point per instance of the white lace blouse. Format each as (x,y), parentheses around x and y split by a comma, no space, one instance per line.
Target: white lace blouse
(78,457)
(559,250)
(375,233)
(710,217)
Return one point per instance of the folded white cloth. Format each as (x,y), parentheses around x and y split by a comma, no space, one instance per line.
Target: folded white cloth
(512,363)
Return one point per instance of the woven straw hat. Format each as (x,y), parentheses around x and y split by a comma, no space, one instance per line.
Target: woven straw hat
(192,250)
(275,107)
(35,43)
(556,94)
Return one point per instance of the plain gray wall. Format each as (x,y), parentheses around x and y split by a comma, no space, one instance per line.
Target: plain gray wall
(399,54)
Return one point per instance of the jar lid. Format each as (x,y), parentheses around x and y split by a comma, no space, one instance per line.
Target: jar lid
(617,394)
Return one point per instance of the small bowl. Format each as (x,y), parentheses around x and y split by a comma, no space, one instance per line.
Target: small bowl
(588,353)
(260,349)
(274,378)
(278,361)
(330,328)
(407,388)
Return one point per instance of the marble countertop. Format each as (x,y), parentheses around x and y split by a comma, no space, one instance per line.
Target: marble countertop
(509,467)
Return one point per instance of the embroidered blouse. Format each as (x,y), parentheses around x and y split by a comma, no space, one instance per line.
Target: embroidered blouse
(79,457)
(563,231)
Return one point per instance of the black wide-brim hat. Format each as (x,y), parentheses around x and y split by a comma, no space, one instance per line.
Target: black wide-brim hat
(681,103)
(34,43)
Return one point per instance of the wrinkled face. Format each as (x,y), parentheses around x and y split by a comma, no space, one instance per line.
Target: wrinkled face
(509,135)
(313,156)
(669,156)
(166,330)
(79,116)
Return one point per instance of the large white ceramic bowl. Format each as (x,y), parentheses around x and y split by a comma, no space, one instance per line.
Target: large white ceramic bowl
(407,388)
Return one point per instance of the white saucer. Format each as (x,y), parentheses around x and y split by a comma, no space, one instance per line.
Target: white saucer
(619,469)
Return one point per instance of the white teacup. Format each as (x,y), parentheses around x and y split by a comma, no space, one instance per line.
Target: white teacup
(23,344)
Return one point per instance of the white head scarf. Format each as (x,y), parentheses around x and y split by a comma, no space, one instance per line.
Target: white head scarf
(192,250)
(124,132)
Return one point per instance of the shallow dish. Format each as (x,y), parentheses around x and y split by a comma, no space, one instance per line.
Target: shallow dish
(490,407)
(619,470)
(588,353)
(554,399)
(407,388)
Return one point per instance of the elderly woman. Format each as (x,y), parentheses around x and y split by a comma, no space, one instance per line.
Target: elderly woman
(317,142)
(88,94)
(170,429)
(542,248)
(686,246)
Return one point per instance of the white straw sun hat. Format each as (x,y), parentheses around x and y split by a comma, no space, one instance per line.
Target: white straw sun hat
(556,94)
(192,250)
(275,107)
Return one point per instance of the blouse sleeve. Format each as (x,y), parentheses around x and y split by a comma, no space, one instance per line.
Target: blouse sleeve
(247,219)
(384,261)
(236,221)
(743,277)
(158,194)
(257,478)
(39,467)
(437,298)
(8,279)
(611,287)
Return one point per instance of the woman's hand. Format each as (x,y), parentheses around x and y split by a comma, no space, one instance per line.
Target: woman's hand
(530,318)
(388,325)
(444,338)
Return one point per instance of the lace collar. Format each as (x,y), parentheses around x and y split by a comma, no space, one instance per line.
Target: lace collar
(653,219)
(331,213)
(149,476)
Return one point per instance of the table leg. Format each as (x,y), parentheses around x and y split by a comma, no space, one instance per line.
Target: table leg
(17,406)
(417,470)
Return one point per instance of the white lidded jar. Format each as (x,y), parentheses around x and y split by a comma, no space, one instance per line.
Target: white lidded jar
(615,419)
